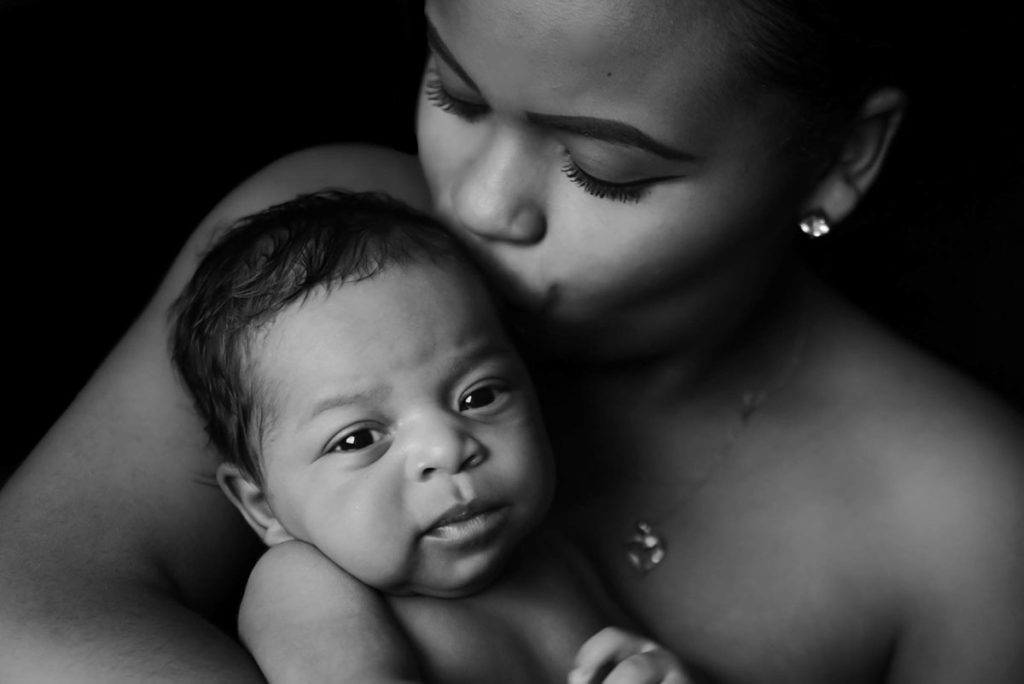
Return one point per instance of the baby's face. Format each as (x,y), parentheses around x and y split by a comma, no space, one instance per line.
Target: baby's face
(404,441)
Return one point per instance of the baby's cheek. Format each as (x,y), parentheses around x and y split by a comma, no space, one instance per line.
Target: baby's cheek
(377,551)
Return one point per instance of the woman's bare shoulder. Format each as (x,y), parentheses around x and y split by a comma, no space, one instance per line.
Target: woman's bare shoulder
(355,166)
(922,482)
(903,394)
(935,454)
(352,166)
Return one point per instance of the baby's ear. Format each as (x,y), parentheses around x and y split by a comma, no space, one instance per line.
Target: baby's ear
(251,501)
(860,158)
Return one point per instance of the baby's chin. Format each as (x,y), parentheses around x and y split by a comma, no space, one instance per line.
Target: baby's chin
(453,583)
(451,591)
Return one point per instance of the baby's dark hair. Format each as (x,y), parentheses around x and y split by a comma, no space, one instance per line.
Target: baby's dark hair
(265,262)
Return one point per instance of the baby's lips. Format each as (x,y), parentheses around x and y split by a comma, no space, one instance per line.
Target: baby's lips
(457,513)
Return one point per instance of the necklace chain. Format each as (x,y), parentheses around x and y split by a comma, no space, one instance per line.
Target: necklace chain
(646,547)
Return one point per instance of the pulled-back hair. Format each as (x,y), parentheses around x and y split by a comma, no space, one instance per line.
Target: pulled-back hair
(265,262)
(829,54)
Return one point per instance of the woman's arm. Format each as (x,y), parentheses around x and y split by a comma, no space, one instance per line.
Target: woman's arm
(117,550)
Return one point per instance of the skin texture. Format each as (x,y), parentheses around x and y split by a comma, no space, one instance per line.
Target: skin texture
(863,526)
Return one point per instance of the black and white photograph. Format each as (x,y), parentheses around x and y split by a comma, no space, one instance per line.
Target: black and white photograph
(513,341)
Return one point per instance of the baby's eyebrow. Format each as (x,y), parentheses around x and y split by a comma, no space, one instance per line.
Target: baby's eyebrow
(493,356)
(439,47)
(333,401)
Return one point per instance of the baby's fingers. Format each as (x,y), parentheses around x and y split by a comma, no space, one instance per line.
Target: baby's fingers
(615,656)
(651,667)
(603,650)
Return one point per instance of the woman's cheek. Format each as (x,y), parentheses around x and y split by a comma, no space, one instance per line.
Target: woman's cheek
(444,142)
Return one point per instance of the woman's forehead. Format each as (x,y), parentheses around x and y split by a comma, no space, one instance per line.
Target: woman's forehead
(601,35)
(653,62)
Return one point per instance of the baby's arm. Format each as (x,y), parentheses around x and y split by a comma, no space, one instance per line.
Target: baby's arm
(298,636)
(615,656)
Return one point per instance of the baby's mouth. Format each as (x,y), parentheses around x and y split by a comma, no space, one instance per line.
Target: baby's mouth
(466,524)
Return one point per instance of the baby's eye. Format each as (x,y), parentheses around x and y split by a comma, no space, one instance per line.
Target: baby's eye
(483,396)
(357,439)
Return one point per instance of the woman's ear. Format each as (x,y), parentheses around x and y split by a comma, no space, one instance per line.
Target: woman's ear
(251,501)
(860,158)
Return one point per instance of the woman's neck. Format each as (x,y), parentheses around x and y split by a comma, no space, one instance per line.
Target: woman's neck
(740,343)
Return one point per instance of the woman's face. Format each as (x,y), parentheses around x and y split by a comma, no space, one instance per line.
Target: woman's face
(607,161)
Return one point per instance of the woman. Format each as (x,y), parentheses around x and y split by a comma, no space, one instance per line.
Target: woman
(778,488)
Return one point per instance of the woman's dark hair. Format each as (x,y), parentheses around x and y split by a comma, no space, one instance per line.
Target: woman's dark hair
(265,262)
(829,54)
(940,225)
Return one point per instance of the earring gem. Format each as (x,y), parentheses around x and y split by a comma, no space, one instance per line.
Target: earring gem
(815,225)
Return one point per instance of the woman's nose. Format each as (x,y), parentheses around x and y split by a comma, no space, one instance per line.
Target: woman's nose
(438,447)
(499,193)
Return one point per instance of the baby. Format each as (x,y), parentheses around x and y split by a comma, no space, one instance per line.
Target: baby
(380,434)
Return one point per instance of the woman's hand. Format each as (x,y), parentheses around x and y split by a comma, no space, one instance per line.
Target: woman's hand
(615,656)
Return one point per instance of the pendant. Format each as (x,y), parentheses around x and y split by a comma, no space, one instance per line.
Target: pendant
(644,548)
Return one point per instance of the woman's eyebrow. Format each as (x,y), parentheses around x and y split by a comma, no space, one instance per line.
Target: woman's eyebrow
(611,131)
(442,51)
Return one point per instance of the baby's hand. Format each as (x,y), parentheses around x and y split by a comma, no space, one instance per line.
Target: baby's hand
(615,656)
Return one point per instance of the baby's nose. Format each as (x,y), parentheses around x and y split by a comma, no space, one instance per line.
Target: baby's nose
(441,448)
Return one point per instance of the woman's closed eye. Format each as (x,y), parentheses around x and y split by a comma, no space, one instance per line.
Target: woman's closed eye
(628,193)
(470,112)
(439,96)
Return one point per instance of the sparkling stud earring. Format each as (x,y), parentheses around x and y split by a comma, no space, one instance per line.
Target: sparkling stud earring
(815,224)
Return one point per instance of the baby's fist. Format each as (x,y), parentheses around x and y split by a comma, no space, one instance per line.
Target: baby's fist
(615,656)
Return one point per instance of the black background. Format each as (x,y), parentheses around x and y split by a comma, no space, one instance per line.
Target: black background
(122,124)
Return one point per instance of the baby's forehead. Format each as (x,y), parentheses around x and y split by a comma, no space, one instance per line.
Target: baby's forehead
(416,324)
(446,300)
